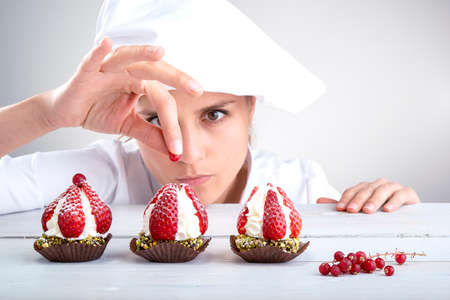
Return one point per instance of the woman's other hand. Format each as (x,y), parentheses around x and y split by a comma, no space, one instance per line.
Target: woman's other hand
(102,94)
(368,197)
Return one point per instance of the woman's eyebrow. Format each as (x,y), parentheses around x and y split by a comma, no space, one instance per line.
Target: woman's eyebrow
(217,105)
(149,112)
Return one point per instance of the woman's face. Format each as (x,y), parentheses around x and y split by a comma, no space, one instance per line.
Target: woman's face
(215,132)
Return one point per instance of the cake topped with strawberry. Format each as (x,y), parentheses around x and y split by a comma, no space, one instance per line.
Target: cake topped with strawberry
(269,219)
(173,218)
(269,214)
(77,216)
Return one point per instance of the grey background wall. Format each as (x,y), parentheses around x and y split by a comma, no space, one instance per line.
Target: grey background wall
(386,65)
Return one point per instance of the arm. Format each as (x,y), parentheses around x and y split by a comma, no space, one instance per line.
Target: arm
(23,122)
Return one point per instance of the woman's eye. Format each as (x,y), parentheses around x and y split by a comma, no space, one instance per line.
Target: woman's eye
(154,120)
(214,115)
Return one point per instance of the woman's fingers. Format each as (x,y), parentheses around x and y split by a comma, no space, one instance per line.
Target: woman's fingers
(165,73)
(405,195)
(119,59)
(360,197)
(136,127)
(348,195)
(370,197)
(164,105)
(325,200)
(380,195)
(166,109)
(92,62)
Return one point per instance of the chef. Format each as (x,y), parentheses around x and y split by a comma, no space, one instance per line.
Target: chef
(179,82)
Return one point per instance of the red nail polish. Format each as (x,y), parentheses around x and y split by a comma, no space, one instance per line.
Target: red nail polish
(174,157)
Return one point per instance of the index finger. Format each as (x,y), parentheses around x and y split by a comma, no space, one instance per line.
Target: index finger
(167,74)
(166,109)
(121,57)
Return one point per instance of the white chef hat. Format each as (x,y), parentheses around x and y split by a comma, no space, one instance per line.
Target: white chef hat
(216,44)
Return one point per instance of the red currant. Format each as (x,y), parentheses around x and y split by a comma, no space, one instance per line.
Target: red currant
(343,266)
(400,258)
(335,271)
(389,270)
(324,268)
(379,262)
(352,257)
(348,261)
(78,179)
(174,157)
(369,265)
(360,257)
(339,255)
(355,269)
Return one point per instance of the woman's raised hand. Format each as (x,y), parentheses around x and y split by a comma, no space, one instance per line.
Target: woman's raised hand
(102,95)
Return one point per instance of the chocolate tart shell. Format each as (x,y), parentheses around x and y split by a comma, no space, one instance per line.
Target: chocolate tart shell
(169,252)
(266,254)
(72,252)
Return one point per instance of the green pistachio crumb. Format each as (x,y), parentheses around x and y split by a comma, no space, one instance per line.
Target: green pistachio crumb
(46,241)
(144,242)
(245,242)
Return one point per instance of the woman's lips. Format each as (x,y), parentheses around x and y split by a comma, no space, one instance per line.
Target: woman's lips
(195,180)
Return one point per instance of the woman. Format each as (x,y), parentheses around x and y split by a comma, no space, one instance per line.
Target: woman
(188,134)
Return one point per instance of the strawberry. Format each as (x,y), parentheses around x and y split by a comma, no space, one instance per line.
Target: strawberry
(274,223)
(294,216)
(48,213)
(242,219)
(71,219)
(101,212)
(201,212)
(49,210)
(164,216)
(162,189)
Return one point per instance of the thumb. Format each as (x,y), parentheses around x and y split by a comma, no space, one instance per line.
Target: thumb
(325,200)
(150,135)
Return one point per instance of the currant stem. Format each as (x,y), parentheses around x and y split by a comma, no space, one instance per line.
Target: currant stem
(392,254)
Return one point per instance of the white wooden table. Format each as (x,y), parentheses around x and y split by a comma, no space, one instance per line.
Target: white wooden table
(218,273)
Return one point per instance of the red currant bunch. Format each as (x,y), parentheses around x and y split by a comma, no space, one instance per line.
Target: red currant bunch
(355,263)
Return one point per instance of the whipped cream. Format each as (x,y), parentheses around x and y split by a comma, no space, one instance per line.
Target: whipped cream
(90,226)
(255,214)
(188,226)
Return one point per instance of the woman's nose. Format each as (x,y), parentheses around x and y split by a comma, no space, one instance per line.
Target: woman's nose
(193,150)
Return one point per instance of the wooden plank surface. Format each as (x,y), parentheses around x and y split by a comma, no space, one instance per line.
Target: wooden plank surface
(120,274)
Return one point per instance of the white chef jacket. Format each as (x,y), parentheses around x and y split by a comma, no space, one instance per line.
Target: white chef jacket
(117,172)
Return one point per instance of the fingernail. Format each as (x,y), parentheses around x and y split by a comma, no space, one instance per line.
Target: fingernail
(194,86)
(388,206)
(151,49)
(340,205)
(369,207)
(177,147)
(352,206)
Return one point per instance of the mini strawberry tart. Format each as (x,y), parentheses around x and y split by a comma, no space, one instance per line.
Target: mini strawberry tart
(269,227)
(75,225)
(174,224)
